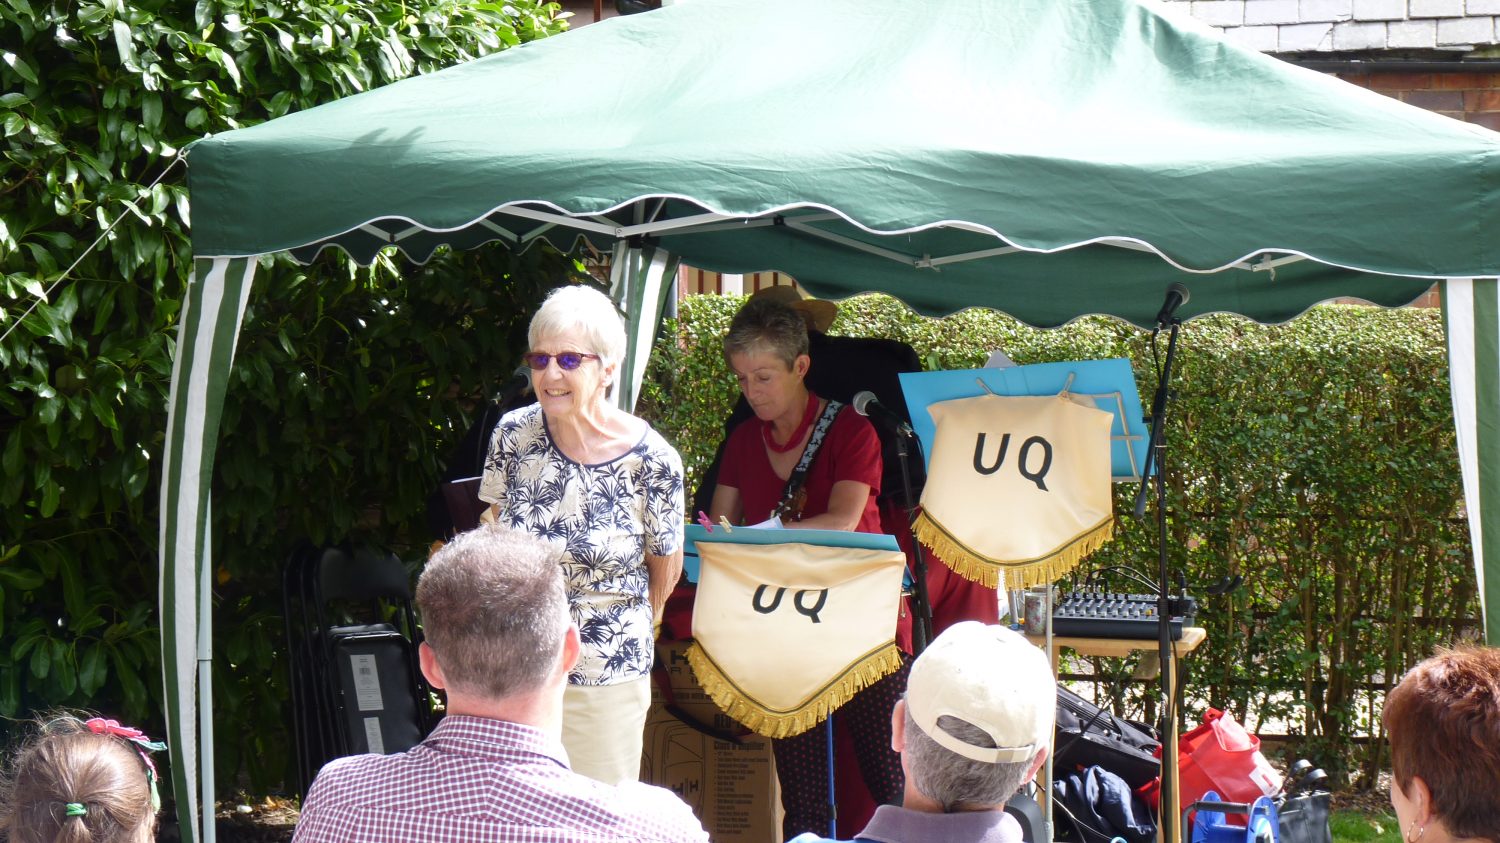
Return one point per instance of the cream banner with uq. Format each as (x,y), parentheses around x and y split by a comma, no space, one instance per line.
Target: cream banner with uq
(1018,486)
(785,633)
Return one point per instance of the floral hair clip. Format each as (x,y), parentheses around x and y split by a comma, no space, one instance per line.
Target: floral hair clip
(143,745)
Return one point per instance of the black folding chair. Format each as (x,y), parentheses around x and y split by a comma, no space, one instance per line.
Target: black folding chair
(352,636)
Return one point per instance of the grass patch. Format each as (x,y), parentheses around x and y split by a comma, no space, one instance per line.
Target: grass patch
(1364,827)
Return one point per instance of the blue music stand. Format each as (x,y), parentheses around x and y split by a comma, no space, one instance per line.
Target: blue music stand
(1110,383)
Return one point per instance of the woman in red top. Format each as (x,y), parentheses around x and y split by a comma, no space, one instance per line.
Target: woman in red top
(841,484)
(766,348)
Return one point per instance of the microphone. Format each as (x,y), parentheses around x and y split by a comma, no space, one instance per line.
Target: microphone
(1177,296)
(519,384)
(866,404)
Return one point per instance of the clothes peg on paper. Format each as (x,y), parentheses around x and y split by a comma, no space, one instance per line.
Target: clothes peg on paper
(704,521)
(724,522)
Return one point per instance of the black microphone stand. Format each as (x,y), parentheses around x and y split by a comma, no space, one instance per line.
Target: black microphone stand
(1155,454)
(921,627)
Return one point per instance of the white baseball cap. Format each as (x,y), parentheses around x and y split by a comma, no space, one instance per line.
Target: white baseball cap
(988,676)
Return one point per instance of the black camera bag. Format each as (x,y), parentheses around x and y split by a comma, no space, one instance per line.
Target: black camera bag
(1088,736)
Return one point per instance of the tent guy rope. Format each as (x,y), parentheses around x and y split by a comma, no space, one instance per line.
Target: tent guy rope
(47,293)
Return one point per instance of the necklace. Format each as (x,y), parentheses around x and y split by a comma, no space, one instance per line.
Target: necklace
(796,437)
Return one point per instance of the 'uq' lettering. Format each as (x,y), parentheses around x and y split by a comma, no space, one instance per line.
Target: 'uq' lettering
(1023,458)
(757,601)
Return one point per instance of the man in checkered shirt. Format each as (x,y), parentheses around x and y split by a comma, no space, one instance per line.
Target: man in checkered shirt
(500,641)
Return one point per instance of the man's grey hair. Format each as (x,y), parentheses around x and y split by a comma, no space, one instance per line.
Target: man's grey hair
(494,611)
(953,781)
(587,316)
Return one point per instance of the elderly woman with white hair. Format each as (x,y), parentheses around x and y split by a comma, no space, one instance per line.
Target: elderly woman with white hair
(576,470)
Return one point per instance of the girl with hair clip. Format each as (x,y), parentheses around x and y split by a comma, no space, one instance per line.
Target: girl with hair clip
(81,781)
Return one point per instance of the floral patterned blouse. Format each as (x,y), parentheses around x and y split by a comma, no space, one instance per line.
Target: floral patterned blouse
(606,517)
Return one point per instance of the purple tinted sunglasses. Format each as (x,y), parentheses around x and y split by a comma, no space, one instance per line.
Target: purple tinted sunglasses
(567,360)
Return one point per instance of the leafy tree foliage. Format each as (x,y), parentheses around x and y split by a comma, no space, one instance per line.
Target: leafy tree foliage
(1315,459)
(350,382)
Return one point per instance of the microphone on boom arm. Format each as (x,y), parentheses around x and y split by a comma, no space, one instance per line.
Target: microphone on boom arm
(1177,296)
(866,404)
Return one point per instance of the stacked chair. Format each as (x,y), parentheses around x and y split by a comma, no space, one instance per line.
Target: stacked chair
(352,636)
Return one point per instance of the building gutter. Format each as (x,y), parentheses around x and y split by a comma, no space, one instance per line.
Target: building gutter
(1366,66)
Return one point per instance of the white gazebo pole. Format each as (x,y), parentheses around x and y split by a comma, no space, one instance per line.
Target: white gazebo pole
(206,691)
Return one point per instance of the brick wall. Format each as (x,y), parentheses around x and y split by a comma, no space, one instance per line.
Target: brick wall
(693,281)
(1471,97)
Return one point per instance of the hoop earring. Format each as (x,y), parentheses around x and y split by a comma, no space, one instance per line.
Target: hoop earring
(1420,831)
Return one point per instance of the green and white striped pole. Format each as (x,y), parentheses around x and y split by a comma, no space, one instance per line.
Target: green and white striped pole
(641,278)
(1471,318)
(207,331)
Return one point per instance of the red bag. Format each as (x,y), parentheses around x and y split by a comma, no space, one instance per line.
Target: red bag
(1221,756)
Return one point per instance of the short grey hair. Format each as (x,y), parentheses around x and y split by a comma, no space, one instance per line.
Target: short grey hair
(765,324)
(953,781)
(494,610)
(582,311)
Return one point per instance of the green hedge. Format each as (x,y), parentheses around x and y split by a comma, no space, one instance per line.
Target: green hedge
(1315,459)
(350,385)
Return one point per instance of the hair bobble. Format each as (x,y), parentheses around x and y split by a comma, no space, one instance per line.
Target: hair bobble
(75,809)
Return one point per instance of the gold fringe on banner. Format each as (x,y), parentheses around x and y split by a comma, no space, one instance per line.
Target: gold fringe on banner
(1022,573)
(737,703)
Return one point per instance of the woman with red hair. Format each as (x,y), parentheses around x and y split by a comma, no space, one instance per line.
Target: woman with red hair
(1444,725)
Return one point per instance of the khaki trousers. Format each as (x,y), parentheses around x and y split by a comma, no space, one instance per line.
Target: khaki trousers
(602,729)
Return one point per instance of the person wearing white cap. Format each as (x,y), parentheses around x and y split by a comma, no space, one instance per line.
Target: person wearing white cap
(974,726)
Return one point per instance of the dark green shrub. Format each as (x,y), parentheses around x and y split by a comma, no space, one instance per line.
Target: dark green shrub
(688,390)
(349,385)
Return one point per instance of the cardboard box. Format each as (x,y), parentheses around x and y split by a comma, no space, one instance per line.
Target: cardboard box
(730,786)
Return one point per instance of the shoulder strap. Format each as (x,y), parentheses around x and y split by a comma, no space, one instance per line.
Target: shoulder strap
(815,442)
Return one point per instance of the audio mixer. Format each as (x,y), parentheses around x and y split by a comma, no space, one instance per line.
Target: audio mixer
(1110,614)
